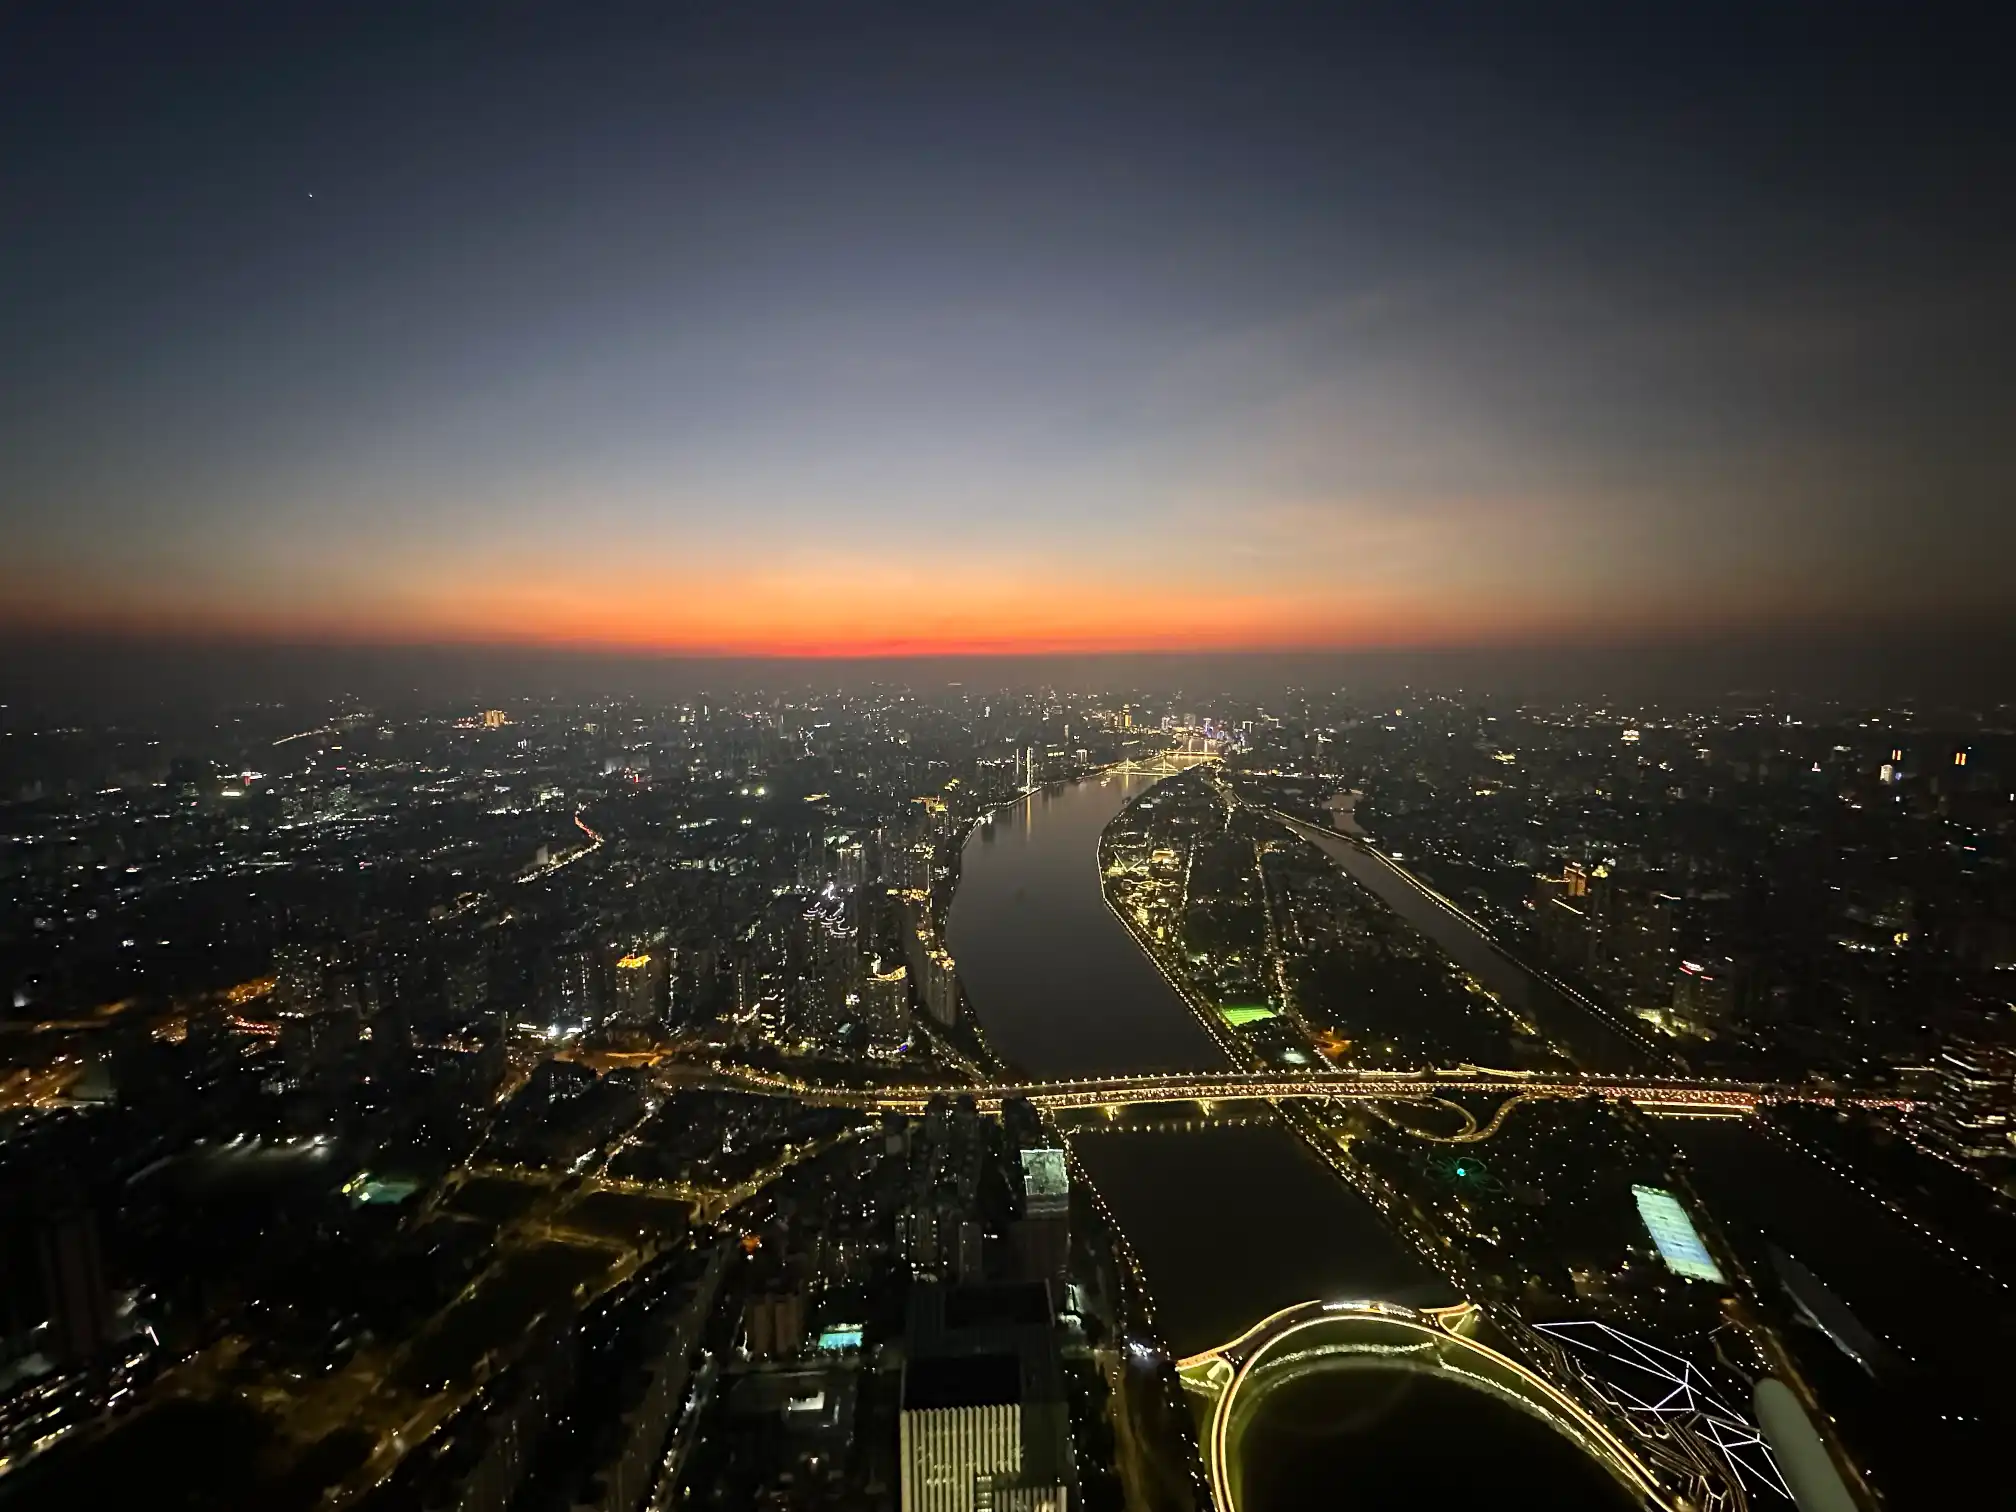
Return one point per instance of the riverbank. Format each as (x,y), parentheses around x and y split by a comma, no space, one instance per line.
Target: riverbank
(1062,986)
(1057,989)
(1595,1036)
(1208,1018)
(1224,1220)
(966,1037)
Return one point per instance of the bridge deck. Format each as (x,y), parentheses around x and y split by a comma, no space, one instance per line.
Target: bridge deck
(1675,1092)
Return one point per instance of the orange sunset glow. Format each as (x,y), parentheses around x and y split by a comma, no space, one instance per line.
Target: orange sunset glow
(855,610)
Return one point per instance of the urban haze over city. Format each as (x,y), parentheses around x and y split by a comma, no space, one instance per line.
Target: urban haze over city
(1006,758)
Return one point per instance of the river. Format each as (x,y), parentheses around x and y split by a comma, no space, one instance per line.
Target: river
(1059,986)
(1595,1043)
(1230,1223)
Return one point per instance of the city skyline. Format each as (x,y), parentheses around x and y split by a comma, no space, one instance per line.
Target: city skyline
(1018,758)
(708,1093)
(678,334)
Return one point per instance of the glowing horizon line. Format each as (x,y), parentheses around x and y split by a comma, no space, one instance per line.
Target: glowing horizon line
(1425,633)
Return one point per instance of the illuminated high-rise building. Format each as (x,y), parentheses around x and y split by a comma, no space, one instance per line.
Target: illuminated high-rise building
(1973,1116)
(939,986)
(641,979)
(1043,1231)
(984,1423)
(885,1005)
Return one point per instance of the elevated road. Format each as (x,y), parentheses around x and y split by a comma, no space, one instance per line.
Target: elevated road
(1651,1092)
(1228,1386)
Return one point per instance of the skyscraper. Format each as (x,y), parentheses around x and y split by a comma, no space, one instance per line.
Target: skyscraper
(1043,1231)
(885,1004)
(73,1287)
(1973,1112)
(983,1423)
(641,979)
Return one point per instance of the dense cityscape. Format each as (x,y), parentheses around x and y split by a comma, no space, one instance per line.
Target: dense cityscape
(790,756)
(563,1104)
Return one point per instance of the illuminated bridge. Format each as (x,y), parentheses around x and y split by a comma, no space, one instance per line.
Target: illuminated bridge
(1229,1386)
(1645,1415)
(1655,1094)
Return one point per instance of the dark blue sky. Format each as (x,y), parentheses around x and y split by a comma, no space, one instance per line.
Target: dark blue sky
(839,328)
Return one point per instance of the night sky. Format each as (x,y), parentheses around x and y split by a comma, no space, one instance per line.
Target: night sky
(842,329)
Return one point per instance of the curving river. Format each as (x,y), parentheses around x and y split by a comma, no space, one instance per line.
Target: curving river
(1059,986)
(1231,1221)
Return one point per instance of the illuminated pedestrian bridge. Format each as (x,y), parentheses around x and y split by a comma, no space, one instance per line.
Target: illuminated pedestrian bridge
(1370,1403)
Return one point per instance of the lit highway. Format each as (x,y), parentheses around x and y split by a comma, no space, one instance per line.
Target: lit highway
(1653,1093)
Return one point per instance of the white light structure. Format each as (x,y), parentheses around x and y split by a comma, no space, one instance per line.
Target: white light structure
(1646,1382)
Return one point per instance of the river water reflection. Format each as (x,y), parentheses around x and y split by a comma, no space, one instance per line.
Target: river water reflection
(1059,985)
(1230,1223)
(1414,1441)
